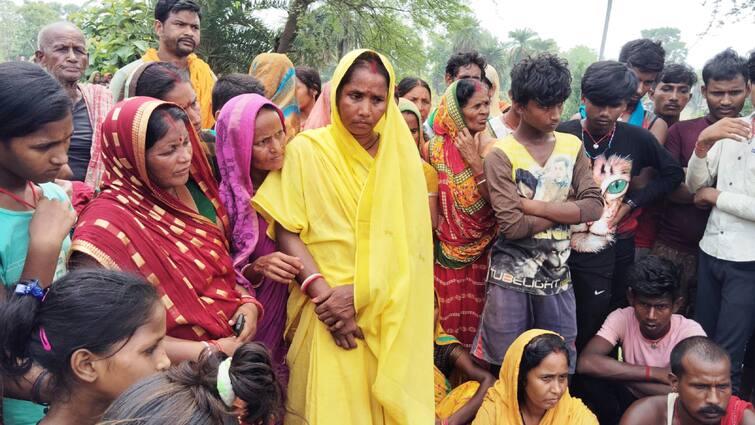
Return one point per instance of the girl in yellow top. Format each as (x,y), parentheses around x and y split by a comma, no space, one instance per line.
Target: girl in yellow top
(533,388)
(349,202)
(413,120)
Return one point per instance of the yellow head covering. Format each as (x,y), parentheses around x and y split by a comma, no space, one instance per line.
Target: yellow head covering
(495,100)
(501,406)
(278,75)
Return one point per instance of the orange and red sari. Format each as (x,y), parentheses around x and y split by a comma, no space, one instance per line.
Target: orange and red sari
(466,227)
(133,225)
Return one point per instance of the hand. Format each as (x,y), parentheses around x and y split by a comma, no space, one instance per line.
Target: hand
(230,344)
(67,187)
(725,128)
(251,313)
(706,197)
(469,148)
(622,212)
(346,336)
(51,222)
(660,375)
(530,207)
(336,306)
(278,267)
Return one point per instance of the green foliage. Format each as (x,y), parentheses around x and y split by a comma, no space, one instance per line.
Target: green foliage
(21,23)
(671,40)
(579,58)
(118,32)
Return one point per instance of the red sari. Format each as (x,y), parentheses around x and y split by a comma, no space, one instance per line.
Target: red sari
(465,230)
(133,225)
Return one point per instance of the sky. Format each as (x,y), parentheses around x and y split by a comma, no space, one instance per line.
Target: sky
(571,25)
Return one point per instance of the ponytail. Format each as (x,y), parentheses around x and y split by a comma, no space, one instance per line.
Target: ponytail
(187,394)
(17,322)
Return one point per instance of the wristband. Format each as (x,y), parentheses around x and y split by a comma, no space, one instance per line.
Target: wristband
(647,373)
(248,299)
(631,204)
(308,281)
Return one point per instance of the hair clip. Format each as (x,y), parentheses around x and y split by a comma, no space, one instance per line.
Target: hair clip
(30,287)
(43,340)
(223,384)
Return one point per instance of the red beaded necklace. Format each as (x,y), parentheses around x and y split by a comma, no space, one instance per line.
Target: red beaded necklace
(21,200)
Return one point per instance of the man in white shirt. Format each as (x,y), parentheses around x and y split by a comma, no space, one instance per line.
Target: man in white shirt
(721,173)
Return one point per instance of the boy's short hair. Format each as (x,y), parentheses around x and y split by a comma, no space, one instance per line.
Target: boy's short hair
(608,83)
(644,54)
(229,86)
(461,59)
(677,73)
(544,78)
(725,66)
(653,277)
(751,66)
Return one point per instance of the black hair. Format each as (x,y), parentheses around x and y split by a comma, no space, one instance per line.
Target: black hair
(654,277)
(544,78)
(160,122)
(608,83)
(94,309)
(466,88)
(644,54)
(164,8)
(187,394)
(311,78)
(157,79)
(29,98)
(462,59)
(534,353)
(751,66)
(699,346)
(368,60)
(678,73)
(229,86)
(408,84)
(726,65)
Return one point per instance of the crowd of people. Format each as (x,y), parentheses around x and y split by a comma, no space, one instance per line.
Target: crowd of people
(180,247)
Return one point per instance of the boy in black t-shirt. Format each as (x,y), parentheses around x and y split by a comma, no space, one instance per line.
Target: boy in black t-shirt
(603,250)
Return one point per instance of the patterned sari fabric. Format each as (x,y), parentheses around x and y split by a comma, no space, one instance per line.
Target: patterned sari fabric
(235,137)
(278,75)
(466,227)
(133,225)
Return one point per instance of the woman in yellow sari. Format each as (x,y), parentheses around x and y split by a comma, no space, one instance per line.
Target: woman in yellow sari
(350,203)
(533,386)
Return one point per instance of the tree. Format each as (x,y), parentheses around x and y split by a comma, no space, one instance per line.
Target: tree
(22,23)
(736,10)
(671,40)
(579,58)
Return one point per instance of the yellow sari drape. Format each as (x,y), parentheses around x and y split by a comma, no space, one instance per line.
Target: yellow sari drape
(365,221)
(501,406)
(202,79)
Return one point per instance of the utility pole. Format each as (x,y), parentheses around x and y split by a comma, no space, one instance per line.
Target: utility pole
(605,30)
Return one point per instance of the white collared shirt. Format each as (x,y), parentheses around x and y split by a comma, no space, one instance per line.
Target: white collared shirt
(730,167)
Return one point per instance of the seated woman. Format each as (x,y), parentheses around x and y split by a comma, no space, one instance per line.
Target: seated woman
(96,333)
(251,143)
(159,215)
(533,388)
(413,119)
(456,405)
(216,390)
(278,75)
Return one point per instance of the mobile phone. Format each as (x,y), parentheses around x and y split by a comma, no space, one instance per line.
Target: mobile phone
(239,326)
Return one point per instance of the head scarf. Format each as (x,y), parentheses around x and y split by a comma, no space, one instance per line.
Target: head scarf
(278,75)
(137,226)
(495,100)
(406,105)
(467,223)
(235,137)
(501,405)
(320,114)
(202,79)
(392,231)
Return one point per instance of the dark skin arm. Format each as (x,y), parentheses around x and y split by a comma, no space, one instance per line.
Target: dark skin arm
(639,412)
(469,369)
(335,306)
(596,361)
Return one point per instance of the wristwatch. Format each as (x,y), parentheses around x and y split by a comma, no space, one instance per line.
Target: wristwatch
(632,205)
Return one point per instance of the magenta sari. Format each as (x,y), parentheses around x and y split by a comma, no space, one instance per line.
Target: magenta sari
(249,240)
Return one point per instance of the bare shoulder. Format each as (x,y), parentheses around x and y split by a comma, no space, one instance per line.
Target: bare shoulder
(748,417)
(646,410)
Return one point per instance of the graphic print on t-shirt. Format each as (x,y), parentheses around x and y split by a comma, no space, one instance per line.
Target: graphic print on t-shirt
(612,175)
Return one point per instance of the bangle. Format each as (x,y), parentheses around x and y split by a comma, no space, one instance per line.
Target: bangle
(216,345)
(444,421)
(481,181)
(308,281)
(252,284)
(647,373)
(248,299)
(206,346)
